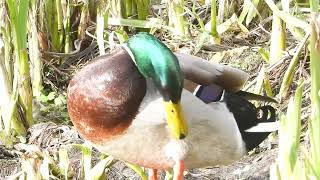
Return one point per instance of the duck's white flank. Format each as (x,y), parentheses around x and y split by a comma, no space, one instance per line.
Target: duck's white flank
(213,136)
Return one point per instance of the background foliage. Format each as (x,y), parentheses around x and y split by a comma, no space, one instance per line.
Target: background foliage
(44,41)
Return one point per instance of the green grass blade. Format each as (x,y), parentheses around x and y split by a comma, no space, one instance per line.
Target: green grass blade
(142,8)
(267,86)
(18,19)
(152,22)
(245,10)
(214,25)
(278,39)
(264,54)
(260,79)
(22,23)
(315,95)
(169,175)
(314,5)
(34,52)
(289,135)
(86,159)
(64,162)
(176,17)
(67,28)
(102,21)
(252,12)
(138,170)
(288,76)
(98,171)
(84,20)
(289,19)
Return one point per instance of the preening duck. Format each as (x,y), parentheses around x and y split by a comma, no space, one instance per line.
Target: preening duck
(132,105)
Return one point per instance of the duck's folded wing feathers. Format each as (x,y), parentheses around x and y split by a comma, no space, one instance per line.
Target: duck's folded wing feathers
(203,72)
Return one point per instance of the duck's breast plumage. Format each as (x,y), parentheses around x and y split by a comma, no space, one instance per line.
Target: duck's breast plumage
(105,95)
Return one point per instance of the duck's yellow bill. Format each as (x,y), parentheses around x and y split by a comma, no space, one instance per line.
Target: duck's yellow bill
(175,120)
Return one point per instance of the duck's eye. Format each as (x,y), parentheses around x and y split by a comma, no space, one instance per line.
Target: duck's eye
(172,110)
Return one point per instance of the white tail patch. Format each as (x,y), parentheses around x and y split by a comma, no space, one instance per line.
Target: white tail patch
(264,127)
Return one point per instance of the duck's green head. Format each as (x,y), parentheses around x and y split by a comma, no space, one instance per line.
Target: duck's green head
(156,61)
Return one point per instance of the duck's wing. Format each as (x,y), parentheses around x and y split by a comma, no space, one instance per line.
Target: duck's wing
(253,128)
(203,72)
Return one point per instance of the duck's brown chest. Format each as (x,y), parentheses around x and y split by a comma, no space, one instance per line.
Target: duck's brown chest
(104,96)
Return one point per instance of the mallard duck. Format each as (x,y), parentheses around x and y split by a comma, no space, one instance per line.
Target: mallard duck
(132,105)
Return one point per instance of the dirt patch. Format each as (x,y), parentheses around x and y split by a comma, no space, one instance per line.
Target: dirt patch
(255,166)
